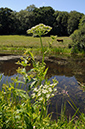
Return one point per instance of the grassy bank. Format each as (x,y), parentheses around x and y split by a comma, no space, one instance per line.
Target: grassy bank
(15,44)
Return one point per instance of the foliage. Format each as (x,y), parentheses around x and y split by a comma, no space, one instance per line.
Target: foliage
(62,23)
(44,15)
(73,21)
(24,21)
(78,38)
(17,110)
(82,21)
(52,40)
(7,21)
(30,8)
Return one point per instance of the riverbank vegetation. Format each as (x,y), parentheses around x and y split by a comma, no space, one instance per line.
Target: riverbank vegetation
(78,38)
(29,109)
(16,44)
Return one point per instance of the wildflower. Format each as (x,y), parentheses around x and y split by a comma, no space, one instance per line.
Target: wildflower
(45,86)
(35,90)
(52,95)
(39,94)
(39,30)
(40,99)
(41,86)
(44,91)
(55,89)
(33,95)
(53,84)
(48,96)
(34,127)
(50,89)
(65,92)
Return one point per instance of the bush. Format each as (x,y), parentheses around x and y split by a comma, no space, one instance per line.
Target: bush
(82,21)
(78,38)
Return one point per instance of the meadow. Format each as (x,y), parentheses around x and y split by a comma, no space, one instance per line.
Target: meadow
(17,44)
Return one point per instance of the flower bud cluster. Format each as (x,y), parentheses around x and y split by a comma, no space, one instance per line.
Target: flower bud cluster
(39,30)
(44,92)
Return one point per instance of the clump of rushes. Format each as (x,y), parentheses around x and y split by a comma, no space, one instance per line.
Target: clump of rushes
(40,30)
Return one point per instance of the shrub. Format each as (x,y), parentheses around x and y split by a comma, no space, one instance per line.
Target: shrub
(78,38)
(82,21)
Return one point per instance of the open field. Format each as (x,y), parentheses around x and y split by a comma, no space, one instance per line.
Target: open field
(15,44)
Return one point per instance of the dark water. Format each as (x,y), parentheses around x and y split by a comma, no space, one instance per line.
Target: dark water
(68,72)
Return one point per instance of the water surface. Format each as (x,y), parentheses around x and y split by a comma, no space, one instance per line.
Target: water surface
(67,72)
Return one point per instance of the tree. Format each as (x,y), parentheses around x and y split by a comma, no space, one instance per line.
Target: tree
(73,21)
(30,8)
(25,19)
(60,24)
(44,15)
(82,21)
(78,38)
(7,21)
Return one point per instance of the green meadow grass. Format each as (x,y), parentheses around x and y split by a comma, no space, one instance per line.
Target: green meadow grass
(17,44)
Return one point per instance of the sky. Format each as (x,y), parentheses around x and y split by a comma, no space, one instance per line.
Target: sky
(60,5)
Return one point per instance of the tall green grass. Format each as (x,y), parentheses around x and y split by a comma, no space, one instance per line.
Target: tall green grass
(15,44)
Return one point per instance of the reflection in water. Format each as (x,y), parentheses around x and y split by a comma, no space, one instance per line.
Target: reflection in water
(70,85)
(8,68)
(67,74)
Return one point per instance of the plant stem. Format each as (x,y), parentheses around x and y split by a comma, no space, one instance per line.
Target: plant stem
(42,49)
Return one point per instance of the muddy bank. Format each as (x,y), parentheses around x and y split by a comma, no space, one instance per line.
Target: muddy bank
(4,57)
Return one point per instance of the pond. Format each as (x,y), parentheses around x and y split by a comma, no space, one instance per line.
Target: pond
(68,71)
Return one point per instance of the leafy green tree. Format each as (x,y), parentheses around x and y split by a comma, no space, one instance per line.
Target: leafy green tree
(44,15)
(82,21)
(25,21)
(78,38)
(30,8)
(60,24)
(21,16)
(73,21)
(7,21)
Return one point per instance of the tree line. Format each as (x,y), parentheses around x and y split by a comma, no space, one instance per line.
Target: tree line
(63,23)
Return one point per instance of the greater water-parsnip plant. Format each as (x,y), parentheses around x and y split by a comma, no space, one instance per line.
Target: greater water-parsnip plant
(40,30)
